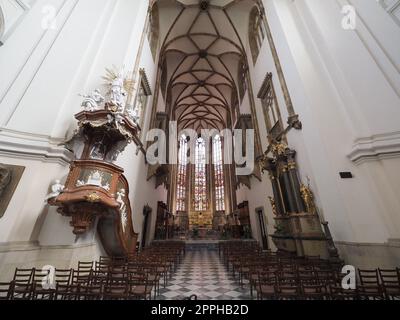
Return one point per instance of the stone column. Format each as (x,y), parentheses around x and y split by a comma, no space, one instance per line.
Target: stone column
(287,187)
(294,180)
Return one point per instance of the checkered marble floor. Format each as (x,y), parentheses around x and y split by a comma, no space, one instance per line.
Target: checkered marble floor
(201,273)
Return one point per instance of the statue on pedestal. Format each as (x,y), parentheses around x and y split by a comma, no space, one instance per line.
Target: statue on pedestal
(133,114)
(122,208)
(92,102)
(56,189)
(308,198)
(118,88)
(117,92)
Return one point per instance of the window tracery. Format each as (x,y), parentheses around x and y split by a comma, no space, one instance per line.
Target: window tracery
(182,175)
(218,174)
(200,176)
(257,32)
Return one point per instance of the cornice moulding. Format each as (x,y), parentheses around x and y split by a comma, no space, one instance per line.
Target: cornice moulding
(33,146)
(375,148)
(35,245)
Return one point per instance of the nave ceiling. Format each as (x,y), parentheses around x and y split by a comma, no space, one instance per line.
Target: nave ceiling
(203,60)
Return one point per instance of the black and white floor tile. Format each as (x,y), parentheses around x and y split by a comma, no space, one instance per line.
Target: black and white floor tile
(202,274)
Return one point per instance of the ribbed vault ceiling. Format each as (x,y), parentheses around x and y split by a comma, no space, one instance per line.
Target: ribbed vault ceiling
(201,55)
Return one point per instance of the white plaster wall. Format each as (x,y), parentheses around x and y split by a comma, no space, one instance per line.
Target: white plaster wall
(42,74)
(344,87)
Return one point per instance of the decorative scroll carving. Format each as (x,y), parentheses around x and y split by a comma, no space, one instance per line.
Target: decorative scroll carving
(95,187)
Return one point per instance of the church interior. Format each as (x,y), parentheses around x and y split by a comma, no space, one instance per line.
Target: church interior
(199,149)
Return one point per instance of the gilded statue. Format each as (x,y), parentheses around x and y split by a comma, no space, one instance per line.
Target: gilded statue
(278,149)
(263,162)
(308,198)
(273,205)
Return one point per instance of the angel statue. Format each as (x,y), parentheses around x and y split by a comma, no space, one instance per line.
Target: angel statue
(308,198)
(124,216)
(133,114)
(56,189)
(92,101)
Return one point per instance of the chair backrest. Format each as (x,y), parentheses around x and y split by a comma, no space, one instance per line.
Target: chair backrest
(91,292)
(117,276)
(40,276)
(84,272)
(369,277)
(105,260)
(138,278)
(267,277)
(64,276)
(23,276)
(5,290)
(85,265)
(390,276)
(102,267)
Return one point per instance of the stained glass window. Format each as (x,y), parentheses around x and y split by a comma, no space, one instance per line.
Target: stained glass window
(182,170)
(200,176)
(218,174)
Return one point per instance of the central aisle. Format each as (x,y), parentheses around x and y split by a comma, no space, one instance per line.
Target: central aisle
(201,273)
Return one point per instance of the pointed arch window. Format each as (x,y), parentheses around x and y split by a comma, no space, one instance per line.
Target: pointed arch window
(256,32)
(182,175)
(153,32)
(200,176)
(272,114)
(242,80)
(218,174)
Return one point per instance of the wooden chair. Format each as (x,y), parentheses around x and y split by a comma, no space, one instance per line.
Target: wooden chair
(267,283)
(336,292)
(22,284)
(67,291)
(40,282)
(64,279)
(370,286)
(117,276)
(313,291)
(288,292)
(116,291)
(84,272)
(101,270)
(307,277)
(6,289)
(391,283)
(138,287)
(90,292)
(153,278)
(64,276)
(254,277)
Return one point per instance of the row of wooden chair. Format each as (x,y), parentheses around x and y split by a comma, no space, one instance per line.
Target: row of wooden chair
(131,277)
(284,276)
